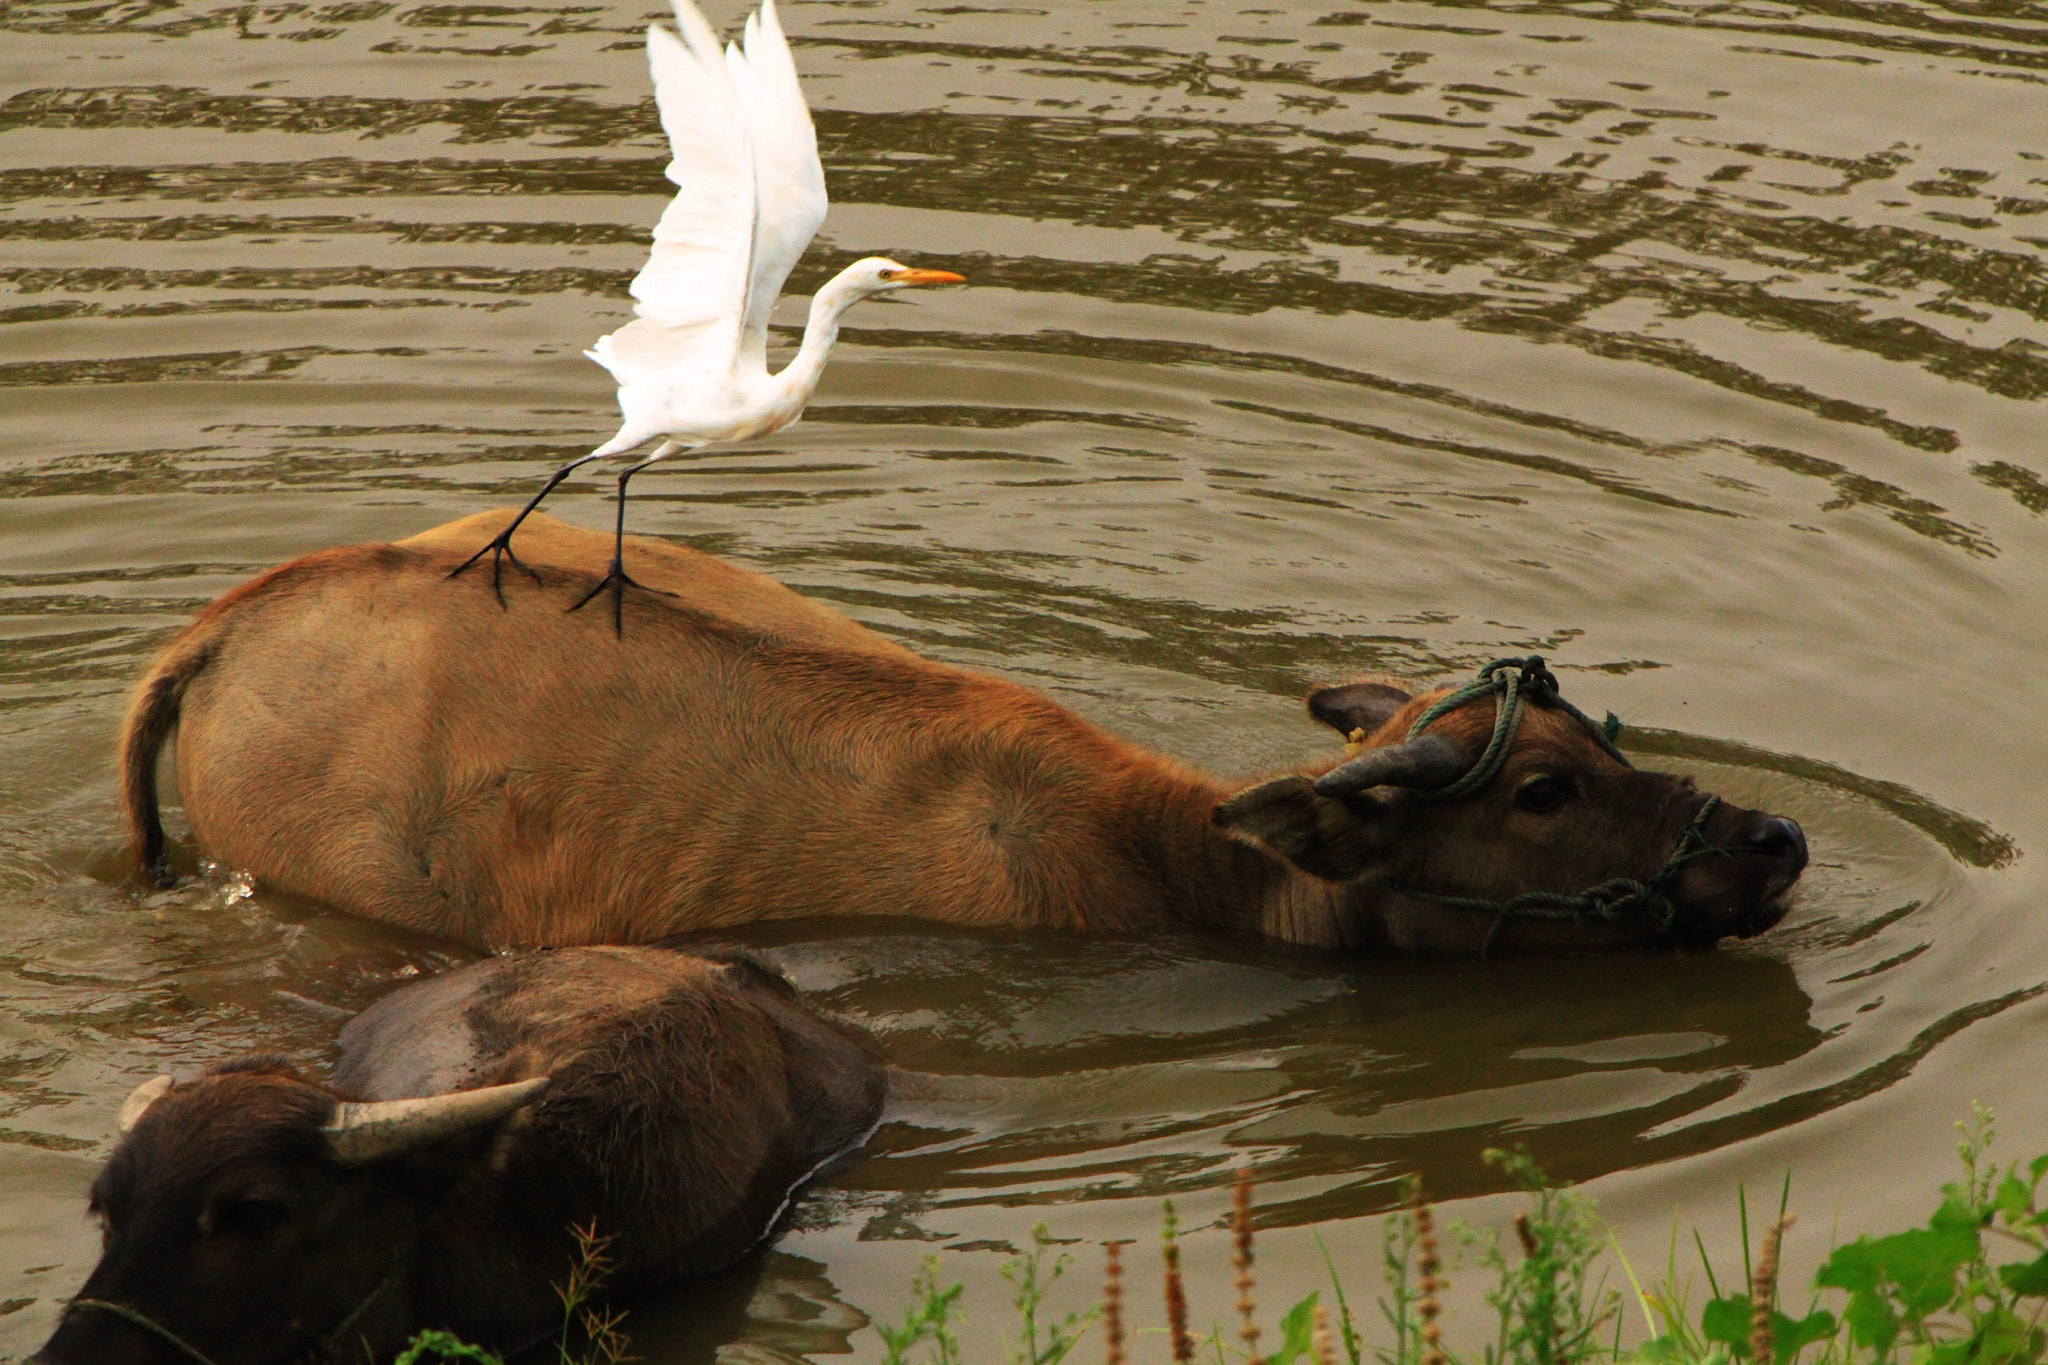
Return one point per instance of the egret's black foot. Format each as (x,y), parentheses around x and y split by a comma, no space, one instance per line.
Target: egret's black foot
(500,550)
(618,580)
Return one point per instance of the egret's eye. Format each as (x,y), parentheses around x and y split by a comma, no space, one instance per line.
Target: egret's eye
(1543,793)
(248,1217)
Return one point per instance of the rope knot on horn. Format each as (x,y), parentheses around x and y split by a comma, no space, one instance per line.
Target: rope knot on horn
(1512,683)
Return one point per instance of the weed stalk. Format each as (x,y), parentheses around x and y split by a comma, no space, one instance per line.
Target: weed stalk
(1763,1293)
(1428,1304)
(1176,1293)
(1113,1303)
(1241,1227)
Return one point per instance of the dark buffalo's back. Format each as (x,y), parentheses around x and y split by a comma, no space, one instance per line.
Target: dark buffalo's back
(690,1097)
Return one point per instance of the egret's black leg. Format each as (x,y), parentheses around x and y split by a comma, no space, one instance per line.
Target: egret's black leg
(617,579)
(500,548)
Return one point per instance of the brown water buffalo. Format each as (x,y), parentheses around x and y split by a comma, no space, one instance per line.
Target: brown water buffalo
(356,728)
(675,1102)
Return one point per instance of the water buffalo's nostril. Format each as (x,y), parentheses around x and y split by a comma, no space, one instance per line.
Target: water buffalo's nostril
(1779,837)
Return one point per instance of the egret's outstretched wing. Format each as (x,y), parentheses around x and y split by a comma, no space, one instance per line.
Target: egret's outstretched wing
(789,184)
(691,296)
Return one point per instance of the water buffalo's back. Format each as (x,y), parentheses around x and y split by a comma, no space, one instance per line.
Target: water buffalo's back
(699,582)
(368,732)
(358,728)
(691,1096)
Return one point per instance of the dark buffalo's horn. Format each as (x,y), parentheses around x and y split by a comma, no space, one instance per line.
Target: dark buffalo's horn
(1427,762)
(365,1132)
(138,1102)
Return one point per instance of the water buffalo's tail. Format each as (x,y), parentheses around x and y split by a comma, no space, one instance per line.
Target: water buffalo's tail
(151,718)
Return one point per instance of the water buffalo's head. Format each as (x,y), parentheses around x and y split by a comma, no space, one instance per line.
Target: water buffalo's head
(256,1218)
(1562,815)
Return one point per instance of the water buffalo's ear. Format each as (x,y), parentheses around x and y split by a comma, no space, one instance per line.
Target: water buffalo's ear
(1356,706)
(1321,835)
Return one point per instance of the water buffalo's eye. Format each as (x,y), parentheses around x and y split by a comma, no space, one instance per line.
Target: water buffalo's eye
(249,1217)
(1543,793)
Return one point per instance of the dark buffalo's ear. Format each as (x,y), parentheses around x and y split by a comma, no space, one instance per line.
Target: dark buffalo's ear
(1322,836)
(1356,706)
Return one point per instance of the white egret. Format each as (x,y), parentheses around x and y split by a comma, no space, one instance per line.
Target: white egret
(692,366)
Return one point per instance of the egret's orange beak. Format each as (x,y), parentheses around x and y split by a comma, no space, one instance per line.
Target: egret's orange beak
(927,277)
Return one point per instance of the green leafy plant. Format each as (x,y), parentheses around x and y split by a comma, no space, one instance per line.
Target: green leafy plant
(1347,1329)
(1939,1294)
(1550,1312)
(596,1328)
(1030,1276)
(1751,1324)
(1297,1333)
(1936,1290)
(1408,1252)
(444,1346)
(593,1330)
(1969,1287)
(928,1319)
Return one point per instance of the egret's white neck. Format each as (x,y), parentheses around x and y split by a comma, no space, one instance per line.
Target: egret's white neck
(799,379)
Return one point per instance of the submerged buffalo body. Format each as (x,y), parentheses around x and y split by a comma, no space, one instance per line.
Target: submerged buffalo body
(474,1120)
(357,728)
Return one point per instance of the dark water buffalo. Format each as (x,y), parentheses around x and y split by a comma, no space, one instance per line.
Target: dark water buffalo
(676,1102)
(357,728)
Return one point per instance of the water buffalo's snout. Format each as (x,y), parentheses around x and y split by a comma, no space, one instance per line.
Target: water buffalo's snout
(1740,883)
(1778,838)
(101,1339)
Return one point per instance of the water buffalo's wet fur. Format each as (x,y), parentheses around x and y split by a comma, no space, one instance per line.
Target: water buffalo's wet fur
(688,1098)
(357,728)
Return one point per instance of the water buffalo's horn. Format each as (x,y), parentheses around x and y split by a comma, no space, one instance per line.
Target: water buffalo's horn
(1428,762)
(365,1132)
(139,1099)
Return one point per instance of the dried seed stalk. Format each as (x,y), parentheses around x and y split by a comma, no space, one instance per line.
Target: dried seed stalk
(1176,1295)
(1428,1303)
(1241,1224)
(1113,1301)
(1324,1342)
(1763,1288)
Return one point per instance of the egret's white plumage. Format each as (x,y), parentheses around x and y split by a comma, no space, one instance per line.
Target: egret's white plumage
(692,365)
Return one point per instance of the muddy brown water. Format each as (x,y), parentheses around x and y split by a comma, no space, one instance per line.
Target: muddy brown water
(1700,347)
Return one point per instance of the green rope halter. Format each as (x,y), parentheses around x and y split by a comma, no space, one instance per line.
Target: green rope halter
(147,1324)
(323,1350)
(1610,900)
(1513,683)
